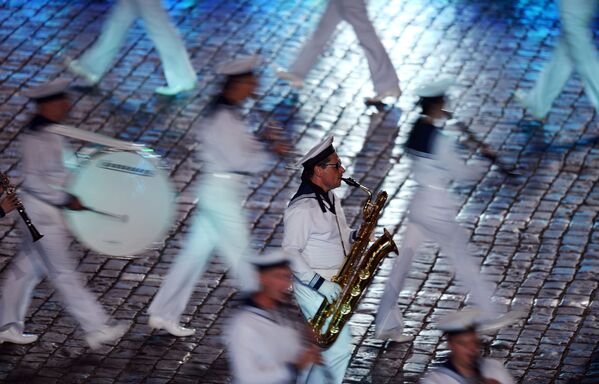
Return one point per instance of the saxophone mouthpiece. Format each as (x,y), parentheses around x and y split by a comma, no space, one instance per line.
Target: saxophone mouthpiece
(351,182)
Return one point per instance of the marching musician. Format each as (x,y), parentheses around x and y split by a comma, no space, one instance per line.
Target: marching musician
(318,238)
(8,203)
(465,364)
(354,12)
(264,343)
(229,152)
(45,197)
(436,162)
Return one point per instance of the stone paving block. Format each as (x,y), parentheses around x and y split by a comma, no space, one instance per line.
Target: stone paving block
(533,235)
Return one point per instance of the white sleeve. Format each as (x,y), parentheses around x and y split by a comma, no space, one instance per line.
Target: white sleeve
(244,349)
(493,369)
(435,377)
(447,149)
(227,143)
(44,171)
(297,224)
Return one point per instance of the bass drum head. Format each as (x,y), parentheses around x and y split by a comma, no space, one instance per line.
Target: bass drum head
(125,184)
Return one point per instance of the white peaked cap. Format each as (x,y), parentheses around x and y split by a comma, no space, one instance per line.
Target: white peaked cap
(320,150)
(51,88)
(434,87)
(272,258)
(461,321)
(239,66)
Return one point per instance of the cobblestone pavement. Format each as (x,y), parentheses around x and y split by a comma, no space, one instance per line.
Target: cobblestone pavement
(535,234)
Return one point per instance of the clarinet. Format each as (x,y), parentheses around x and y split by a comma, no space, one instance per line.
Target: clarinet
(10,189)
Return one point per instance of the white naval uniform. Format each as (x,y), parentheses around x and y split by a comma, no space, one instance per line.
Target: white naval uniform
(313,239)
(175,60)
(262,347)
(489,369)
(43,194)
(575,51)
(220,225)
(431,217)
(382,72)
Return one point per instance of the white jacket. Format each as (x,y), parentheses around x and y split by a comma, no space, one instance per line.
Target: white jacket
(262,348)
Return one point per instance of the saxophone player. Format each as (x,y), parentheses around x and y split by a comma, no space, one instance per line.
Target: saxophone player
(318,239)
(43,194)
(8,203)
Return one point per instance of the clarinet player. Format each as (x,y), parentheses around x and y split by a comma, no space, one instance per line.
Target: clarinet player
(44,196)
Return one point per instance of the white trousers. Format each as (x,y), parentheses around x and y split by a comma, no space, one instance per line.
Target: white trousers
(219,225)
(382,72)
(175,61)
(336,358)
(574,51)
(47,257)
(442,228)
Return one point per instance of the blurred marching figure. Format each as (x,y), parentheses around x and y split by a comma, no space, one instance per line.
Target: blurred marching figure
(318,239)
(264,342)
(179,73)
(229,153)
(465,363)
(575,51)
(382,72)
(44,196)
(436,162)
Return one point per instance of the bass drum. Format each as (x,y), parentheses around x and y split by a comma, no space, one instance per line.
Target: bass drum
(126,184)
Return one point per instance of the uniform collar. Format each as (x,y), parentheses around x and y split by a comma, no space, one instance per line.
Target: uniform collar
(448,365)
(39,122)
(308,188)
(251,306)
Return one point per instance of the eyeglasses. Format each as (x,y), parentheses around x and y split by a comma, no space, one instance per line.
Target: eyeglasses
(336,165)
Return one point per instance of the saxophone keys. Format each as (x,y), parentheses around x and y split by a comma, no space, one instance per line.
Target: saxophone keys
(345,309)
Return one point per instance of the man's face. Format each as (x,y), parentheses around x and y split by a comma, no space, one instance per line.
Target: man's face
(465,348)
(244,87)
(331,172)
(276,283)
(55,109)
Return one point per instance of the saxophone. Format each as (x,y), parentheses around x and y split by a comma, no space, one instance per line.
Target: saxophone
(10,189)
(356,273)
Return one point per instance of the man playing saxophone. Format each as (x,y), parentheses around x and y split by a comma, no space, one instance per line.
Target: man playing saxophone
(318,238)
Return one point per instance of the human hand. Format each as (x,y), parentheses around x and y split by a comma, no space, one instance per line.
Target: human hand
(9,203)
(311,355)
(330,291)
(74,204)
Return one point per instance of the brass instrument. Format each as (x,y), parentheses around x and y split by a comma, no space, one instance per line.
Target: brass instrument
(356,273)
(10,189)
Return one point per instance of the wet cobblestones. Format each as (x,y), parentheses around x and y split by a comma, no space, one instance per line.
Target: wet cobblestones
(535,234)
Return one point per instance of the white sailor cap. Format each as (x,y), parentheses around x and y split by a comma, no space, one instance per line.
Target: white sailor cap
(464,320)
(434,87)
(317,154)
(239,66)
(49,89)
(271,259)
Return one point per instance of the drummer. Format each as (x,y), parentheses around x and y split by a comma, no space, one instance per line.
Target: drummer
(44,197)
(228,152)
